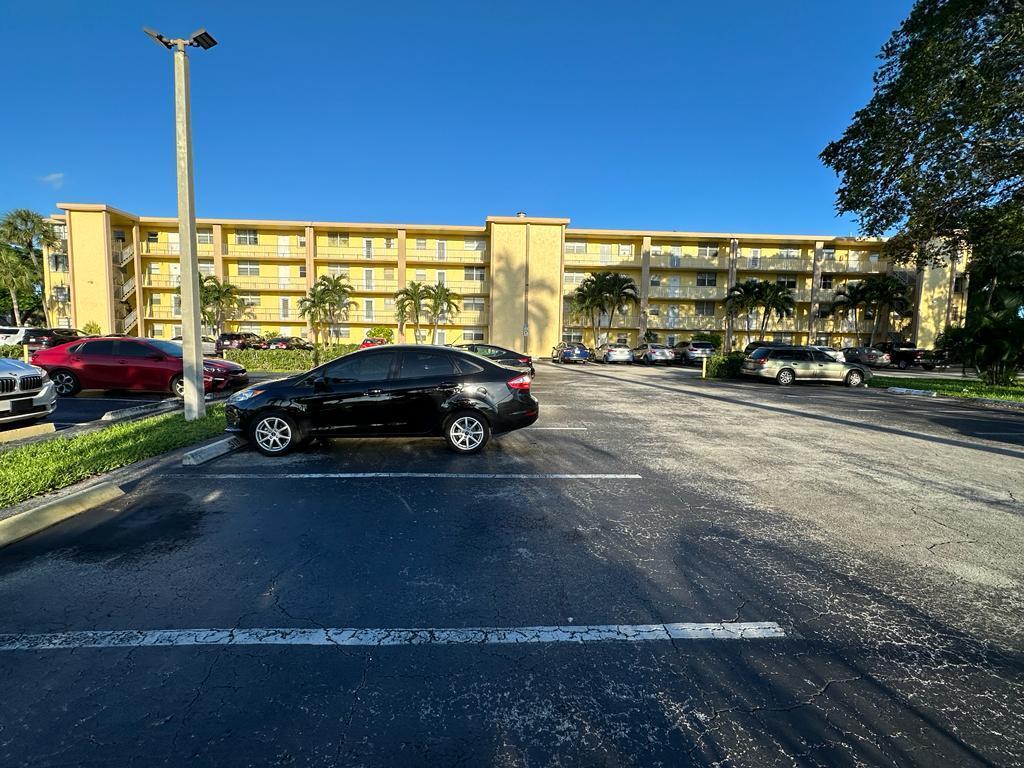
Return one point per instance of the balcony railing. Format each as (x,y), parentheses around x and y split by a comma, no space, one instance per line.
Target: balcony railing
(357,253)
(121,255)
(273,313)
(456,255)
(686,322)
(127,322)
(776,263)
(687,292)
(173,249)
(267,282)
(860,267)
(260,252)
(126,289)
(161,281)
(461,287)
(602,260)
(360,315)
(618,321)
(161,312)
(688,261)
(469,317)
(373,286)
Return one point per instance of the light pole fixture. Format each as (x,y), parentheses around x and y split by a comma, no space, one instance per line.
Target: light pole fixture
(191,328)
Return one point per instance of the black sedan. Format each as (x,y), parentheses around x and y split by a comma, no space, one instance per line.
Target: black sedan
(389,391)
(501,355)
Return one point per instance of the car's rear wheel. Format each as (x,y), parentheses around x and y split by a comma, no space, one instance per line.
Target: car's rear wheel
(466,432)
(785,377)
(177,386)
(65,383)
(903,365)
(274,434)
(854,379)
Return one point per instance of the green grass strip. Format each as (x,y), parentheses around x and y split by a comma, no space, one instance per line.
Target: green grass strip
(33,469)
(952,387)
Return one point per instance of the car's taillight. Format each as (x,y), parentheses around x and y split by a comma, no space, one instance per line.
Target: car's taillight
(520,382)
(761,362)
(524,359)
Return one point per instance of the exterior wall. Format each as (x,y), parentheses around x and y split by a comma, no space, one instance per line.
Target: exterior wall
(512,274)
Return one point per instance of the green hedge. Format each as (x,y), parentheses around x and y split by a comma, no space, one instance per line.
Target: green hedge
(952,387)
(284,360)
(11,350)
(725,366)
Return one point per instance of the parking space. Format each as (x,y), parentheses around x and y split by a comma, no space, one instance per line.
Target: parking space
(584,591)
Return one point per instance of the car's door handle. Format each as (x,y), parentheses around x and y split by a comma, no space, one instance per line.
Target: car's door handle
(446,385)
(375,392)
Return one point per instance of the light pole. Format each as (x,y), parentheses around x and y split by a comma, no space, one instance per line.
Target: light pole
(191,330)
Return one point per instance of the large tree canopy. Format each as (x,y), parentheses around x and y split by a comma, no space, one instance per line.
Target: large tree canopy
(942,139)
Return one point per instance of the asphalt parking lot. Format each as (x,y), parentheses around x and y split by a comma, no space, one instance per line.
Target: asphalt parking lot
(683,572)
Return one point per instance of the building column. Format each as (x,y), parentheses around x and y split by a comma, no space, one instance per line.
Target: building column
(71,274)
(310,270)
(645,283)
(952,283)
(734,250)
(400,280)
(819,254)
(108,265)
(915,326)
(218,252)
(137,248)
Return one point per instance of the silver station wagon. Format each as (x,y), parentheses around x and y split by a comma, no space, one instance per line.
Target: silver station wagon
(789,364)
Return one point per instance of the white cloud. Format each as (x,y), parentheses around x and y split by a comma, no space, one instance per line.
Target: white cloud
(55,180)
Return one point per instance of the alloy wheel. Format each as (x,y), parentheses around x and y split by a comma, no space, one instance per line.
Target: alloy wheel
(855,379)
(466,433)
(64,383)
(273,434)
(179,387)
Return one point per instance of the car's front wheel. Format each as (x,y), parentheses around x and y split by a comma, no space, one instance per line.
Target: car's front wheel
(785,377)
(65,383)
(854,379)
(178,386)
(274,434)
(466,432)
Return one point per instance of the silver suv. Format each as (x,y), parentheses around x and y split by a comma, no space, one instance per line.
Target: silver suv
(789,364)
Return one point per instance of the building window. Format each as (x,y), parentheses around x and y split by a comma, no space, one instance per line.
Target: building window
(421,275)
(958,283)
(157,329)
(247,237)
(367,247)
(337,239)
(575,246)
(474,273)
(367,309)
(156,300)
(829,254)
(341,331)
(474,245)
(389,243)
(286,307)
(206,268)
(704,308)
(707,250)
(389,274)
(248,269)
(655,280)
(421,243)
(473,304)
(118,234)
(755,257)
(249,327)
(152,237)
(302,270)
(821,340)
(825,282)
(654,310)
(789,252)
(473,334)
(605,249)
(874,256)
(785,338)
(572,335)
(58,262)
(61,231)
(301,240)
(250,299)
(787,281)
(337,270)
(441,277)
(442,250)
(625,249)
(204,236)
(175,330)
(707,279)
(573,278)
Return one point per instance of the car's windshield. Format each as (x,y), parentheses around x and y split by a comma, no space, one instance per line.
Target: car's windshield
(702,345)
(169,348)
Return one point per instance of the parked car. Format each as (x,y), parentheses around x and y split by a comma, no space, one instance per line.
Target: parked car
(11,335)
(692,351)
(830,351)
(758,344)
(500,355)
(872,356)
(239,341)
(288,342)
(903,355)
(570,352)
(44,338)
(209,344)
(614,352)
(148,365)
(373,341)
(652,354)
(788,364)
(397,390)
(26,392)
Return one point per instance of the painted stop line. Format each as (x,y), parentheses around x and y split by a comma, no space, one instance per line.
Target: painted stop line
(349,637)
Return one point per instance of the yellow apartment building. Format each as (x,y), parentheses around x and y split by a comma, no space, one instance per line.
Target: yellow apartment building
(513,275)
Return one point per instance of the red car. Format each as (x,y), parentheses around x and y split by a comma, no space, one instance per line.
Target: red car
(149,365)
(372,341)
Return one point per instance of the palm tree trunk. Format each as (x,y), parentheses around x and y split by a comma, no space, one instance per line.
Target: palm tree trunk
(874,327)
(31,251)
(14,306)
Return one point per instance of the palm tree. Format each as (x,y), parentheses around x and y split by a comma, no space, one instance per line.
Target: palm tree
(587,303)
(888,294)
(441,302)
(218,303)
(848,299)
(338,297)
(16,274)
(410,305)
(619,291)
(744,298)
(27,231)
(316,307)
(778,300)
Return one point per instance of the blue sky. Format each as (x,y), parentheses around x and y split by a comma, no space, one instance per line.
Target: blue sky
(669,115)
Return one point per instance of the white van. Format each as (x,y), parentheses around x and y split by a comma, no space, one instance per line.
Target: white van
(10,334)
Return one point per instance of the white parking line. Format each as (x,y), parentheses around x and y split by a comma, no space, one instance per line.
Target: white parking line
(867,410)
(1015,434)
(175,638)
(366,475)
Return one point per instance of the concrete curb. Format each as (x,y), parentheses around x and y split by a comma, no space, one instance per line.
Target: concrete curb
(212,451)
(142,410)
(905,391)
(33,430)
(34,520)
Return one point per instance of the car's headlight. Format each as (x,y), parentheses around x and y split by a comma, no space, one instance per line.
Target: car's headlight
(243,395)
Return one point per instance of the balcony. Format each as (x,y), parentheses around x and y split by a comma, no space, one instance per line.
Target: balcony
(373,286)
(121,255)
(602,261)
(125,289)
(449,254)
(686,322)
(161,281)
(273,313)
(688,261)
(266,283)
(264,253)
(127,322)
(618,321)
(687,292)
(461,287)
(360,315)
(173,249)
(862,266)
(357,253)
(163,313)
(469,317)
(773,263)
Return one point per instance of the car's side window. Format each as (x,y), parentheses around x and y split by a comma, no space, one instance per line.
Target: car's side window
(802,356)
(418,365)
(821,357)
(105,347)
(360,368)
(133,349)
